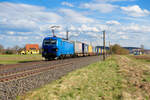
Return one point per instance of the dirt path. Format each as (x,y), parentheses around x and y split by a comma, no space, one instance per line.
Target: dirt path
(136,83)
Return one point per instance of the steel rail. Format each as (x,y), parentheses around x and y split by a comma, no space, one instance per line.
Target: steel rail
(30,72)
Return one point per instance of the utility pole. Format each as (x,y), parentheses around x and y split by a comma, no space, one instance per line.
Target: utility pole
(104,55)
(109,48)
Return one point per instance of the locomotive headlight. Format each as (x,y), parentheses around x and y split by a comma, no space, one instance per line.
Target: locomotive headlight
(56,49)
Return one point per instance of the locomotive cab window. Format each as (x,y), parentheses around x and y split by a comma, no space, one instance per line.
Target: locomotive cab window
(49,42)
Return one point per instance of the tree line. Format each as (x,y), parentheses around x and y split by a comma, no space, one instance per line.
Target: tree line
(114,49)
(14,50)
(117,49)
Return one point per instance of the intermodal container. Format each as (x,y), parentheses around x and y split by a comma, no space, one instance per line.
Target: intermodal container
(84,48)
(102,51)
(78,47)
(90,49)
(93,49)
(99,51)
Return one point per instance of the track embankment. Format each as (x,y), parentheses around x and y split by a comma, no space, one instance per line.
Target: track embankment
(17,80)
(118,78)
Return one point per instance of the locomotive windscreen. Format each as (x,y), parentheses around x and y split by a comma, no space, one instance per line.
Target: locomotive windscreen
(49,42)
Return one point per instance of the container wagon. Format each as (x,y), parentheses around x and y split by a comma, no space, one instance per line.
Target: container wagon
(98,51)
(93,51)
(84,49)
(90,50)
(78,48)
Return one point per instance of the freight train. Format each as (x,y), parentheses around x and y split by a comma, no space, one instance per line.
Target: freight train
(55,47)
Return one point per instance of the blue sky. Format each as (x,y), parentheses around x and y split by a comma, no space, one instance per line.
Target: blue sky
(127,22)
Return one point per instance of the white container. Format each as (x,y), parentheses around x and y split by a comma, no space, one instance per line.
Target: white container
(78,47)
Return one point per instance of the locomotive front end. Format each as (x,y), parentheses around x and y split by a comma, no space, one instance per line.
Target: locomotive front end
(49,48)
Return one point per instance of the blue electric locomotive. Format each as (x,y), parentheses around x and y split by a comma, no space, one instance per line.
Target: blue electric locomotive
(55,47)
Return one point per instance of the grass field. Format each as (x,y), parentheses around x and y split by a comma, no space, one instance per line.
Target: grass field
(118,78)
(142,58)
(97,81)
(14,59)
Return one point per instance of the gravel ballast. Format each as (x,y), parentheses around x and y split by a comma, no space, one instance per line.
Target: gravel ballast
(9,90)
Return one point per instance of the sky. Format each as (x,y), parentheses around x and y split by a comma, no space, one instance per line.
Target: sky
(126,22)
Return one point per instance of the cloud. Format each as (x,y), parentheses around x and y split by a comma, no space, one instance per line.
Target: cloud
(112,22)
(135,11)
(130,34)
(11,33)
(67,4)
(72,16)
(135,28)
(30,24)
(101,7)
(124,37)
(24,17)
(22,20)
(85,28)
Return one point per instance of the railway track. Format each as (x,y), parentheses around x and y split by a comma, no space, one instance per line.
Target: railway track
(11,76)
(18,69)
(4,68)
(19,79)
(9,73)
(12,69)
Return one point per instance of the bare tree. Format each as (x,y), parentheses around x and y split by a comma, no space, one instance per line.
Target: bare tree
(40,49)
(1,48)
(16,48)
(9,51)
(142,48)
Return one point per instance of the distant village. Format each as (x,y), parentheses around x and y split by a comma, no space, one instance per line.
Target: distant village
(35,49)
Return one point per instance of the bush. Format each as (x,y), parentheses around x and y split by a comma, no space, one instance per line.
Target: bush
(1,49)
(117,49)
(8,51)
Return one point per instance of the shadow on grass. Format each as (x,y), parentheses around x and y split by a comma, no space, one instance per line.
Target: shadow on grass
(29,61)
(147,60)
(144,60)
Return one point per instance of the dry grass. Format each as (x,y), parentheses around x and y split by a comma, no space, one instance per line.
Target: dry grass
(99,81)
(136,78)
(118,78)
(142,58)
(145,57)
